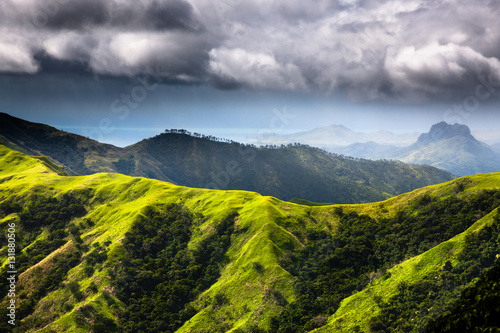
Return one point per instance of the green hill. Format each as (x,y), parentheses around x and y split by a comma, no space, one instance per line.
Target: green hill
(108,252)
(293,171)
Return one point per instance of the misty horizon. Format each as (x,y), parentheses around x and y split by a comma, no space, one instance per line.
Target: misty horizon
(111,135)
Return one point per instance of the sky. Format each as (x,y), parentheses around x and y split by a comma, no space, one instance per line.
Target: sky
(119,71)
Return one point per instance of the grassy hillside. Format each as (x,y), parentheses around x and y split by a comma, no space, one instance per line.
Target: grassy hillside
(406,296)
(108,252)
(286,172)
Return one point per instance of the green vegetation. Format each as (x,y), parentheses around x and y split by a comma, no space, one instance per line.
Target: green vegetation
(308,203)
(38,214)
(112,253)
(478,309)
(160,276)
(408,310)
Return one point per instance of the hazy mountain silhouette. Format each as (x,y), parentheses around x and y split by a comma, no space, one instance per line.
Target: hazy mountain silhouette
(449,147)
(334,136)
(452,148)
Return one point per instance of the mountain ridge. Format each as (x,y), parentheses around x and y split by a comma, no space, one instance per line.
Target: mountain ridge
(294,171)
(453,148)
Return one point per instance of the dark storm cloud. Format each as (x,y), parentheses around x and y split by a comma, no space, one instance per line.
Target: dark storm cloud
(225,83)
(119,38)
(51,65)
(368,50)
(77,14)
(89,14)
(174,14)
(155,15)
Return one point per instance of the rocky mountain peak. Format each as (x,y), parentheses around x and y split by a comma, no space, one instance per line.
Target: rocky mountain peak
(443,131)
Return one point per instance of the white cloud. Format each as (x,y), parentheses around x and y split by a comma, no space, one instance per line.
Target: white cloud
(436,65)
(179,55)
(257,70)
(70,46)
(16,58)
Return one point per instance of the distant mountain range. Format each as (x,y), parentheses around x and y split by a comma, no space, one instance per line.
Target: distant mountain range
(449,147)
(288,172)
(333,136)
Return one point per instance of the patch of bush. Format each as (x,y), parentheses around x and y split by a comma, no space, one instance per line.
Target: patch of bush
(160,276)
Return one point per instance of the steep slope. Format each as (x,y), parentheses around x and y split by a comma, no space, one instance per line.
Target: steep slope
(286,172)
(372,238)
(108,252)
(478,308)
(408,295)
(64,281)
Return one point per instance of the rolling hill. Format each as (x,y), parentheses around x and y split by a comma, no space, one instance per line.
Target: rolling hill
(112,253)
(287,172)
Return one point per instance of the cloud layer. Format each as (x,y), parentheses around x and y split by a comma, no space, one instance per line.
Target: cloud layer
(368,50)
